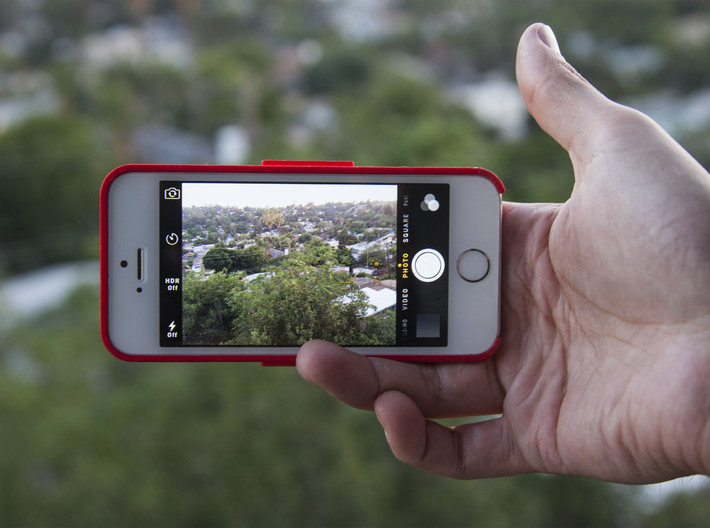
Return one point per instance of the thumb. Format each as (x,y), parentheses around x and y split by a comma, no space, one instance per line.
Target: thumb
(563,103)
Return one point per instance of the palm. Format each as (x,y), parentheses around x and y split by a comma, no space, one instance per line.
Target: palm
(586,342)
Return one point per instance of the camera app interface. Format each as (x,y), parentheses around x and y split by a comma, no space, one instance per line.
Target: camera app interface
(278,264)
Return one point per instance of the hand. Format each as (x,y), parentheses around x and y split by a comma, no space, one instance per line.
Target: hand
(604,369)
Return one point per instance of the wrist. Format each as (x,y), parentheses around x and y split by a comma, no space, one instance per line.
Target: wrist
(687,427)
(703,399)
(704,441)
(705,452)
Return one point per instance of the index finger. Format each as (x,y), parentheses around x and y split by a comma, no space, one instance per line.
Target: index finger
(439,390)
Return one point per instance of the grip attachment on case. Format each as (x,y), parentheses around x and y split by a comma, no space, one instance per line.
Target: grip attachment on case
(294,163)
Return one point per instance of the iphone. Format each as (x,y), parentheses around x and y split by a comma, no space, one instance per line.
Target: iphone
(246,263)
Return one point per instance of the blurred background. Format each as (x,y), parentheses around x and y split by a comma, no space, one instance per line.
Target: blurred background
(85,85)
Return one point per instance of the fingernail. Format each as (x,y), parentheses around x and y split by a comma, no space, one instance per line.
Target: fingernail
(548,37)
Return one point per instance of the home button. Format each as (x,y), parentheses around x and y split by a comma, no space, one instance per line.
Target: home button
(473,265)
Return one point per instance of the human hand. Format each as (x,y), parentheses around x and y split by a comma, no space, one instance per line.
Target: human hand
(604,370)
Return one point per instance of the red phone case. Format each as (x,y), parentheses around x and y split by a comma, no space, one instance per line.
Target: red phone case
(268,167)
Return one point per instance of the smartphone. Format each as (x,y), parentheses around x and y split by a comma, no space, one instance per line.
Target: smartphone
(246,263)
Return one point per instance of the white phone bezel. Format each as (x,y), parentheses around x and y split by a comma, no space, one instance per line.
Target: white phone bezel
(132,303)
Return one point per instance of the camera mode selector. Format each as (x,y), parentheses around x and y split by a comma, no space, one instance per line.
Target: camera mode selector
(428,265)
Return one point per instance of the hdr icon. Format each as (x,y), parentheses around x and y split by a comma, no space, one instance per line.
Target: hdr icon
(172,283)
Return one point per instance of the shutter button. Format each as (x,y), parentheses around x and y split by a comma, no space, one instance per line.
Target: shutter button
(428,265)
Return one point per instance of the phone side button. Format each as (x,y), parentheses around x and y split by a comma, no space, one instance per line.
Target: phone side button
(473,265)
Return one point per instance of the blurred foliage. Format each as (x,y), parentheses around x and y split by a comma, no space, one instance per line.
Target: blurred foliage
(686,510)
(93,441)
(86,440)
(51,169)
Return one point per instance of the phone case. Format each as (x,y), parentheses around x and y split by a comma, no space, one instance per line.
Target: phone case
(268,167)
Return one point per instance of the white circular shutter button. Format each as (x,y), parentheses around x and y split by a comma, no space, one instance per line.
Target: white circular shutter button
(473,265)
(428,265)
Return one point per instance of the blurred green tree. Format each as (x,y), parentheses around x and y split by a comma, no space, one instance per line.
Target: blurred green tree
(52,168)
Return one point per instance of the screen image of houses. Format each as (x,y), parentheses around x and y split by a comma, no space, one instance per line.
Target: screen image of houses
(272,264)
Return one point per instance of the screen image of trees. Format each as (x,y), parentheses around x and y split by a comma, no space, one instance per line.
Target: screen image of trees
(256,276)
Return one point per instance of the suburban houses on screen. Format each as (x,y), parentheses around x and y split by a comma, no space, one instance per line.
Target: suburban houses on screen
(372,251)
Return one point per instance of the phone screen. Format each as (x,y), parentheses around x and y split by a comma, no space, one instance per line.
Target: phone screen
(277,264)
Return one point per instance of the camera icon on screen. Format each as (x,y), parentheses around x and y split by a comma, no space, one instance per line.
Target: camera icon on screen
(172,193)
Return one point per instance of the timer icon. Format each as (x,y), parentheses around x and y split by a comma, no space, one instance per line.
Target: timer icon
(172,239)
